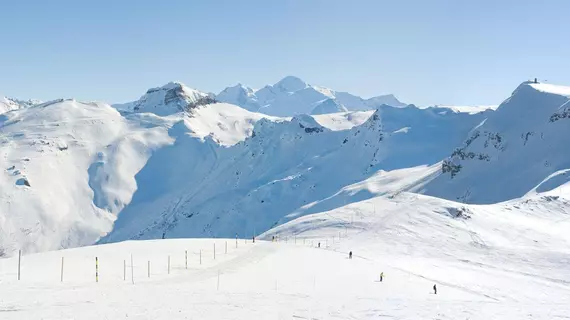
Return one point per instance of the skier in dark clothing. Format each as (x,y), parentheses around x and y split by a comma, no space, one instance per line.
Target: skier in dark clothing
(350,255)
(319,244)
(254,239)
(434,289)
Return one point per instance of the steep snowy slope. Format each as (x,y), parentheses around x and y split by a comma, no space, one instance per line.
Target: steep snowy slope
(53,191)
(296,165)
(521,146)
(68,168)
(291,96)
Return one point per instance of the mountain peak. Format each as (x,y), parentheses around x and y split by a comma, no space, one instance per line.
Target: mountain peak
(291,84)
(291,96)
(170,98)
(388,99)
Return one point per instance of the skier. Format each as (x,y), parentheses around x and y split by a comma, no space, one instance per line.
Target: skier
(350,255)
(319,244)
(381,276)
(273,239)
(253,239)
(163,235)
(434,289)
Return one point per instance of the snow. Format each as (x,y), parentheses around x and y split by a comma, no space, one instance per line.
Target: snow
(80,160)
(343,120)
(475,202)
(498,264)
(290,84)
(517,147)
(292,96)
(9,104)
(552,88)
(169,99)
(468,109)
(168,173)
(226,123)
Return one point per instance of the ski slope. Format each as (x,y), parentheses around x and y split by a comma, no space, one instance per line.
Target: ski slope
(498,264)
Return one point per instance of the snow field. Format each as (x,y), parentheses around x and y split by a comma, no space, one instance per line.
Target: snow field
(499,264)
(264,280)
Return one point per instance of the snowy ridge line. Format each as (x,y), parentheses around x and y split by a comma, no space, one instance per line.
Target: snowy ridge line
(292,96)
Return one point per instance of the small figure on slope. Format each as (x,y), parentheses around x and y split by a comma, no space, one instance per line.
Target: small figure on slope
(350,255)
(381,276)
(434,289)
(319,244)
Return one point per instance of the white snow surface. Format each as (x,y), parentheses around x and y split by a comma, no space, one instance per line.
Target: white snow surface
(61,149)
(552,88)
(343,120)
(506,261)
(81,160)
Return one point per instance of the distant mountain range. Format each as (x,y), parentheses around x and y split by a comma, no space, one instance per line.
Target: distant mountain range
(291,96)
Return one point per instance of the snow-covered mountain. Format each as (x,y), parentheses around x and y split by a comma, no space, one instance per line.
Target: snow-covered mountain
(174,164)
(191,169)
(9,104)
(291,96)
(520,148)
(171,98)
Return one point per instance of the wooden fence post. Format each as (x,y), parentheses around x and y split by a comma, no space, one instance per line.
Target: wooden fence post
(61,269)
(19,262)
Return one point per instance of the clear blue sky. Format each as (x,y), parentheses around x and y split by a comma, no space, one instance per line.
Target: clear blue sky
(424,51)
